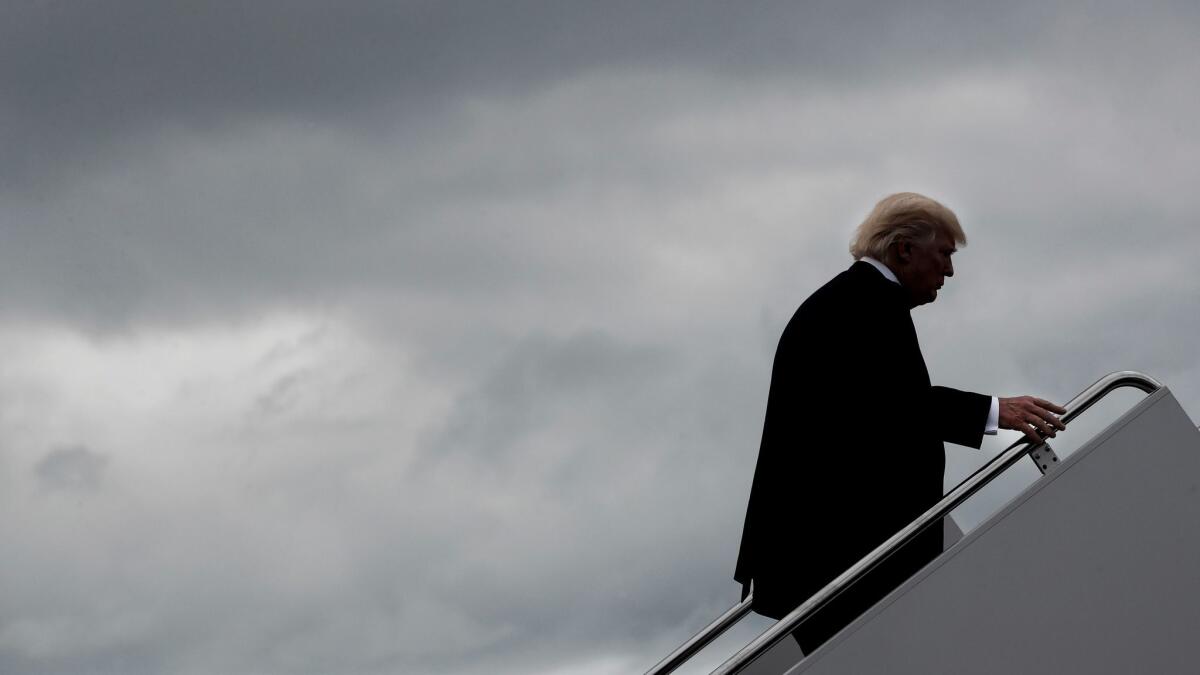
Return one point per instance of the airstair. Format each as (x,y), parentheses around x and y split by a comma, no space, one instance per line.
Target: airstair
(1093,568)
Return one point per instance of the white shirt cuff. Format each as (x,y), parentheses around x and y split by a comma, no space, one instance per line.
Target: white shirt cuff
(993,420)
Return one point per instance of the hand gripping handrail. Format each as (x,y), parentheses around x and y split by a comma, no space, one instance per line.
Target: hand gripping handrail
(949,502)
(965,489)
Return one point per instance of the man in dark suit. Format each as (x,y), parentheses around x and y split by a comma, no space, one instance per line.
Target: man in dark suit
(852,442)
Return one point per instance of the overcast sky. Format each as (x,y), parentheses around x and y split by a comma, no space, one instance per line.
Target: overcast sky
(430,337)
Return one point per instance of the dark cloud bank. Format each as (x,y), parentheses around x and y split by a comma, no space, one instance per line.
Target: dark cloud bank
(567,236)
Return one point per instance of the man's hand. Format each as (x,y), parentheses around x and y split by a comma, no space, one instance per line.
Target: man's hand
(1031,416)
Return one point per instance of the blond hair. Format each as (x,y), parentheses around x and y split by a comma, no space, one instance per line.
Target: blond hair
(904,216)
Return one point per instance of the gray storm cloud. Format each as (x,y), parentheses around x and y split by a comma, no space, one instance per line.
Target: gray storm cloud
(434,338)
(71,469)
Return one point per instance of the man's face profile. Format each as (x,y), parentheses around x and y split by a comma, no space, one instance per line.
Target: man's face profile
(924,266)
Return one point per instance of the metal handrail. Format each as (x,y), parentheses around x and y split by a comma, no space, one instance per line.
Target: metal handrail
(712,631)
(965,489)
(706,635)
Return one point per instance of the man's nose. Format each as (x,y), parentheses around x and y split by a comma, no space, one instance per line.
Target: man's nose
(949,270)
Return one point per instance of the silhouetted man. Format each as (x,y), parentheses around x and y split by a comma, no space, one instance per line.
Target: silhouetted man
(852,442)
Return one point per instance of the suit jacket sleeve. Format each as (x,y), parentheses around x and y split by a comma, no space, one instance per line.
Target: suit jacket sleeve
(899,400)
(964,414)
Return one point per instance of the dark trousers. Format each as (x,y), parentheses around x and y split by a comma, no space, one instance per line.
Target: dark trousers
(866,592)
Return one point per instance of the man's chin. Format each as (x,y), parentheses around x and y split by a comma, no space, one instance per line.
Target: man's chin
(917,298)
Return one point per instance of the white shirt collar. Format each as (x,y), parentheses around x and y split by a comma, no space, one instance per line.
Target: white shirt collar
(883,269)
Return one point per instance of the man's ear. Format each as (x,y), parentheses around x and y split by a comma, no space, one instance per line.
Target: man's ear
(903,251)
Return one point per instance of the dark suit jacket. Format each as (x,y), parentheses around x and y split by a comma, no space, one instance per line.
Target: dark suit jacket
(851,451)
